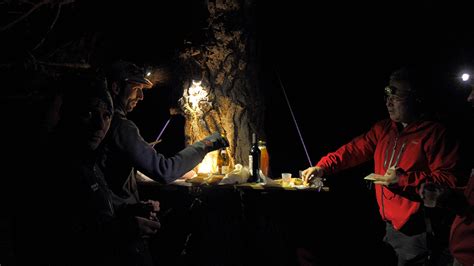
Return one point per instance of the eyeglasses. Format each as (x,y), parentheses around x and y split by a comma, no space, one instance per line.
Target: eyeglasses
(392,97)
(395,98)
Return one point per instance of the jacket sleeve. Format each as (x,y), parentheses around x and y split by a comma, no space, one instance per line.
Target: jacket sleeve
(145,159)
(357,151)
(442,154)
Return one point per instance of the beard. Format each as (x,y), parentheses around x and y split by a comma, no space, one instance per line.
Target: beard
(131,105)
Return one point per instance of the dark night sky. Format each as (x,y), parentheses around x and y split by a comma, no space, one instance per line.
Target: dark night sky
(333,57)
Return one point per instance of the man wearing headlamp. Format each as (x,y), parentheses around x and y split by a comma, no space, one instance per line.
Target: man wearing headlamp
(408,150)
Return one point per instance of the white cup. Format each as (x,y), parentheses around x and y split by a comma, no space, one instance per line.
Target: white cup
(285,179)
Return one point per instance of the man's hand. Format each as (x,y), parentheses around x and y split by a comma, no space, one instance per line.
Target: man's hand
(215,141)
(429,193)
(154,207)
(392,176)
(147,227)
(153,203)
(312,173)
(189,175)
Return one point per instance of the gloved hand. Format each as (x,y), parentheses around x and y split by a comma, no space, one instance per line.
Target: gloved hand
(147,227)
(215,141)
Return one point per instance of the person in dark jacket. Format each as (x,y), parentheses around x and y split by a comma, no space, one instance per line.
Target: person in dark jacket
(83,225)
(459,200)
(461,239)
(408,150)
(461,242)
(125,149)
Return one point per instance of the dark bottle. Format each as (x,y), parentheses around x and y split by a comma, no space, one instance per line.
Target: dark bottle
(254,161)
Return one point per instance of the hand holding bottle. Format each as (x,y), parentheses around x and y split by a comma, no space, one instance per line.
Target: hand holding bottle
(215,141)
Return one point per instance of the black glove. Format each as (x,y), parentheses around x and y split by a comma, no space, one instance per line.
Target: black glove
(215,141)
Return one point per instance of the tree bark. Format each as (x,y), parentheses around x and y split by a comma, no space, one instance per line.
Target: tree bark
(226,65)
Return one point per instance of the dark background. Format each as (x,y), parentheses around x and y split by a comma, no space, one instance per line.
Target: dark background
(333,58)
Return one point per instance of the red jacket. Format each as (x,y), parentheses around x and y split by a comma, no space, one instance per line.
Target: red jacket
(421,150)
(461,241)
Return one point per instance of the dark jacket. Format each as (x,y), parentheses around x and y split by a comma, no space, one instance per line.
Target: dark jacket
(82,225)
(126,151)
(461,241)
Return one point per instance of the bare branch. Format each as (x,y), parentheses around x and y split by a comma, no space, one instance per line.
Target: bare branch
(48,64)
(66,65)
(36,6)
(11,24)
(50,28)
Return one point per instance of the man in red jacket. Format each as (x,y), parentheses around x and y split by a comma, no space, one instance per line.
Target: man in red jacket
(408,150)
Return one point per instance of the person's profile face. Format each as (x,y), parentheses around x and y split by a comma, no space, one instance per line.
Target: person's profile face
(134,93)
(94,122)
(399,102)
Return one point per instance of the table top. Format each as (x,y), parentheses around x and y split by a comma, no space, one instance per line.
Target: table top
(213,182)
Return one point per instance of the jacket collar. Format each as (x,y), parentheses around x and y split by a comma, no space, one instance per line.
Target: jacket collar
(411,127)
(120,111)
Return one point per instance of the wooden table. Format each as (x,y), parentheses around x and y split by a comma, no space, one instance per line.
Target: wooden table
(209,224)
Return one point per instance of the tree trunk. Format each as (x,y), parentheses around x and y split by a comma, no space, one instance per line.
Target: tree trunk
(232,103)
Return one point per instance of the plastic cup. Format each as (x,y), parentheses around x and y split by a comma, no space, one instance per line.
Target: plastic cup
(430,195)
(285,179)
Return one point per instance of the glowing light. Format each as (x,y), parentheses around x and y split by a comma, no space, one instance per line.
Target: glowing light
(148,74)
(196,100)
(465,77)
(194,96)
(208,164)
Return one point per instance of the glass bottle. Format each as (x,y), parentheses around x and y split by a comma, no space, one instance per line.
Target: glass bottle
(264,158)
(219,161)
(222,162)
(254,161)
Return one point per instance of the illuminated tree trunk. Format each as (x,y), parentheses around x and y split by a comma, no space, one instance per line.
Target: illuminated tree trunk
(226,66)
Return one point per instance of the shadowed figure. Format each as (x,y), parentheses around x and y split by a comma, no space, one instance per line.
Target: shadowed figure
(80,223)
